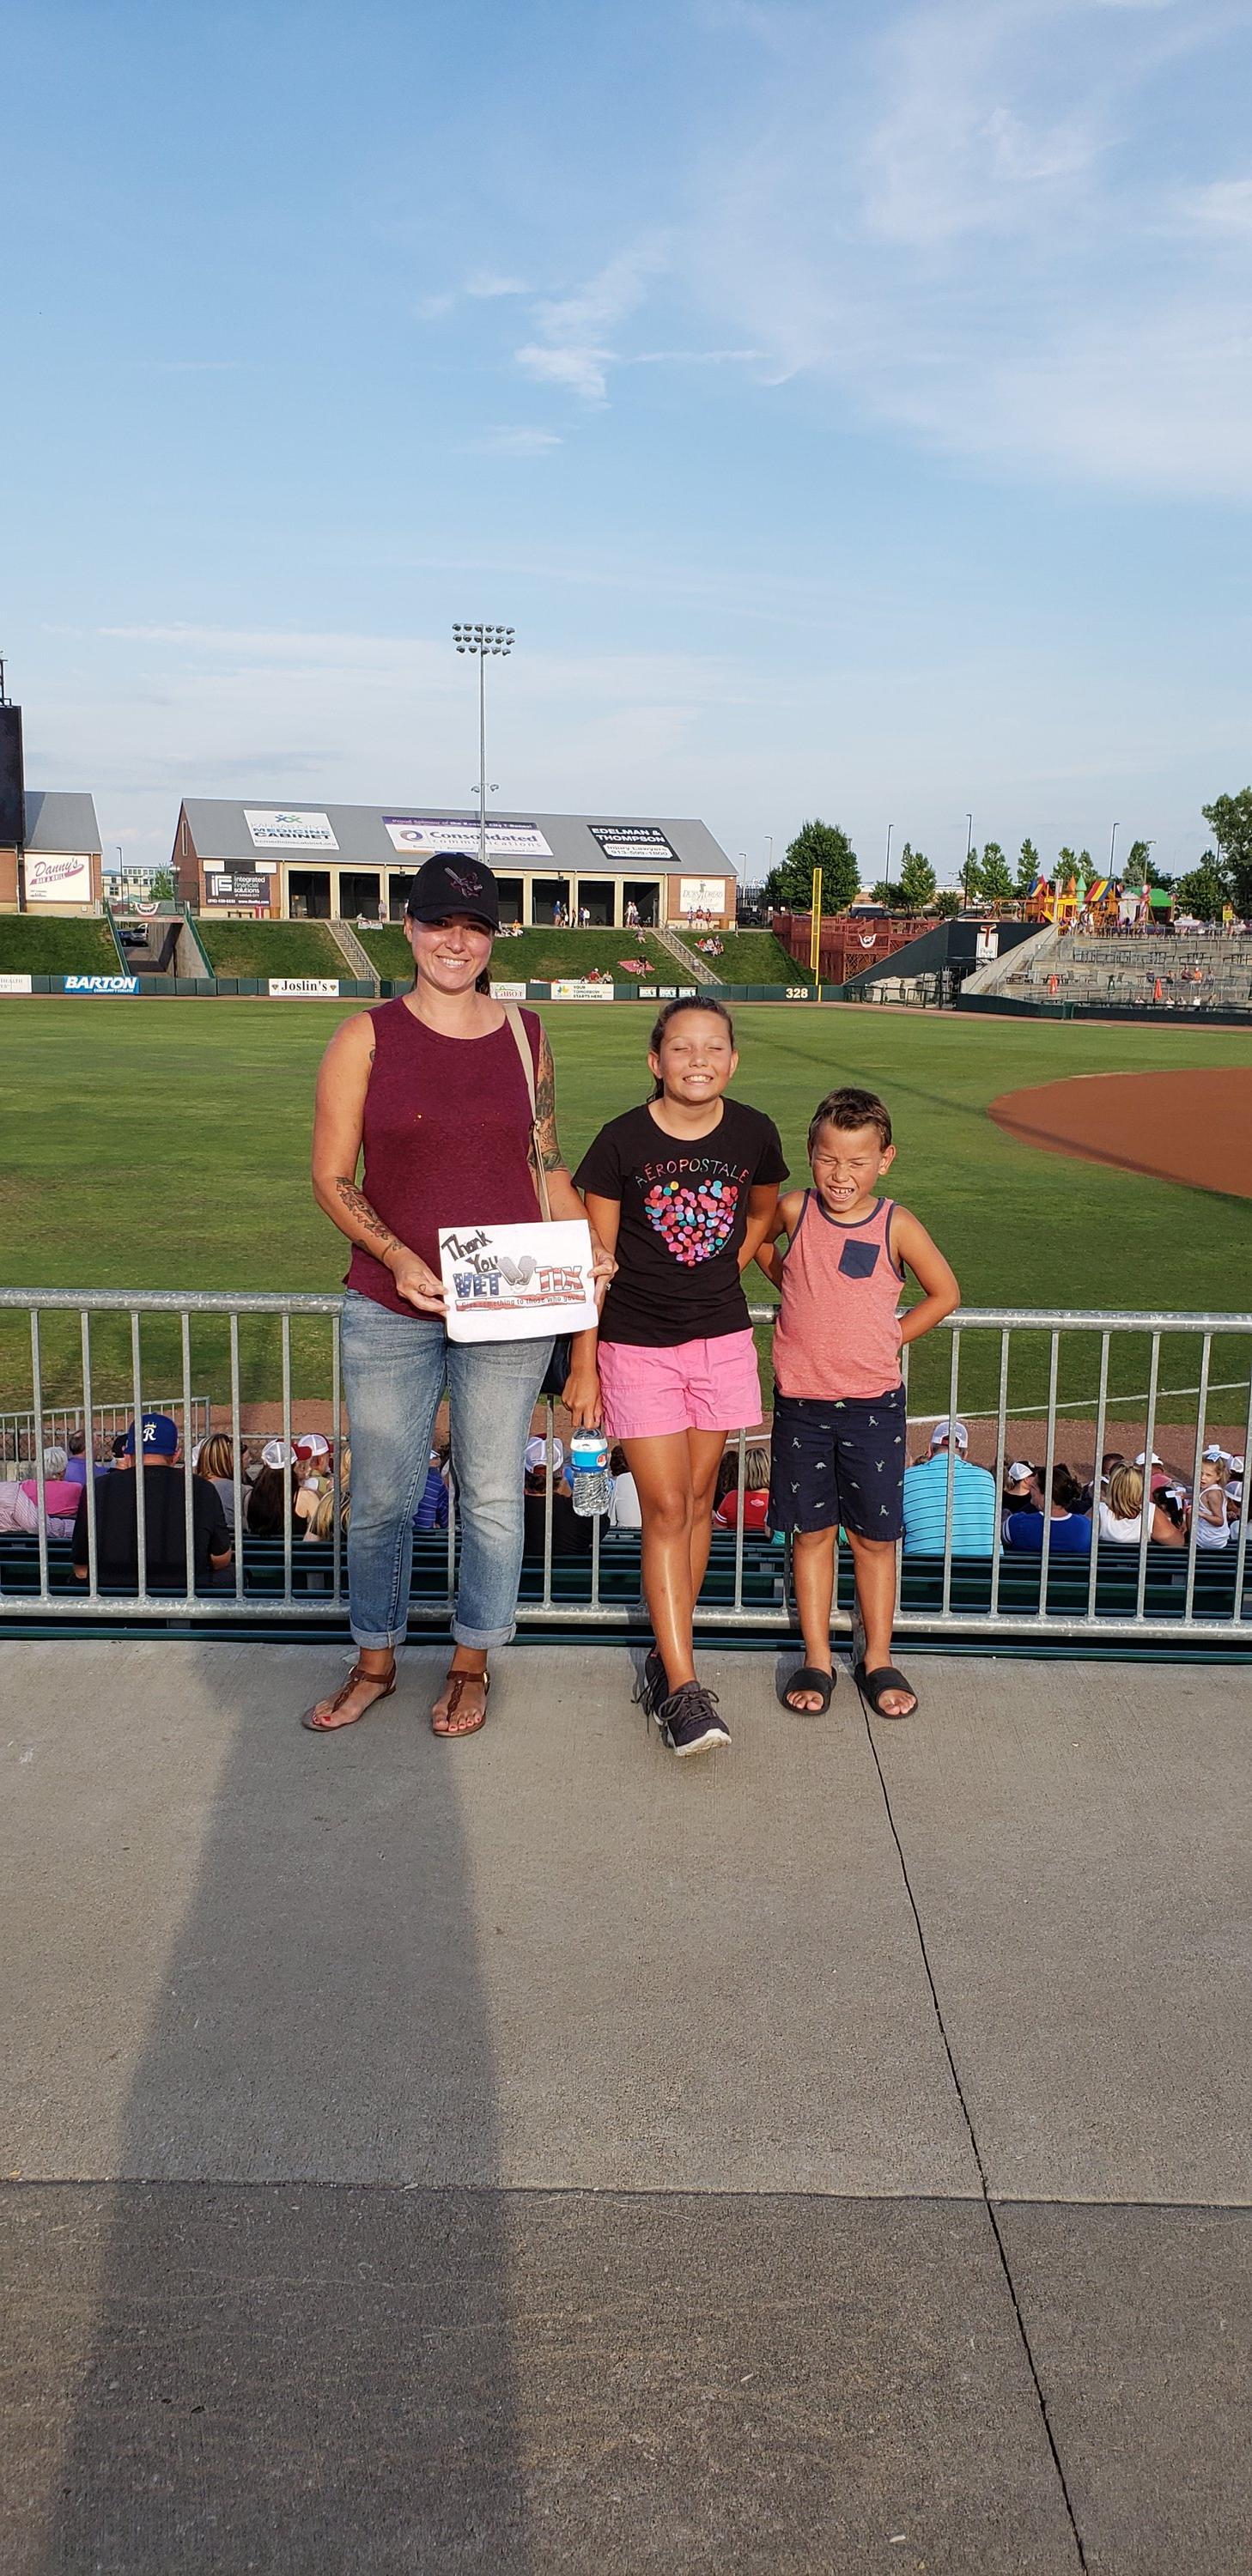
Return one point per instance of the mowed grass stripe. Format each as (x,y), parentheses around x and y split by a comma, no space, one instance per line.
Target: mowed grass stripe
(166,1145)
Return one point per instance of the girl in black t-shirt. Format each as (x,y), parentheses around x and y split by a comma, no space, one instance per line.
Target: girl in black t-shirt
(683,1189)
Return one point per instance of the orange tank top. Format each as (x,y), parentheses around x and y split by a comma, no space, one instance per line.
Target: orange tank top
(838,1329)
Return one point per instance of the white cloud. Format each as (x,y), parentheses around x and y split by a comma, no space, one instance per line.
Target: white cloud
(572,345)
(578,371)
(431,308)
(485,283)
(695,357)
(960,230)
(1224,206)
(514,442)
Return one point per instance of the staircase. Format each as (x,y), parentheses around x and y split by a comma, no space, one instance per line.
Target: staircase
(694,967)
(358,964)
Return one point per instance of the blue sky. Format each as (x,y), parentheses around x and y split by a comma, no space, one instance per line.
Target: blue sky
(848,407)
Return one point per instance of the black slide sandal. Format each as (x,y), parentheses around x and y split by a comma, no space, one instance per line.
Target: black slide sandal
(885,1678)
(809,1678)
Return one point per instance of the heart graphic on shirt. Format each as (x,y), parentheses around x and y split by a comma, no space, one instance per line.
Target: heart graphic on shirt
(693,1224)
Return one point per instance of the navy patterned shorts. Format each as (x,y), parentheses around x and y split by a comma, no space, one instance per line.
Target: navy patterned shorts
(839,1461)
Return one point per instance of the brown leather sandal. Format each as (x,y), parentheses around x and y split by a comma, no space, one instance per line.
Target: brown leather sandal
(458,1681)
(328,1725)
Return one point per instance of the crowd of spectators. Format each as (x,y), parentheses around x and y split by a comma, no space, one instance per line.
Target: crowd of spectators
(294,1484)
(1108,1506)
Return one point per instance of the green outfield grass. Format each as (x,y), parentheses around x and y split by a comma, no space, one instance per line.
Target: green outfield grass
(748,957)
(171,1148)
(29,946)
(265,948)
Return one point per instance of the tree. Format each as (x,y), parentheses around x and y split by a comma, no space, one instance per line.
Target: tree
(917,879)
(164,889)
(816,845)
(1206,890)
(947,903)
(1231,821)
(1134,872)
(971,876)
(885,892)
(997,881)
(1027,867)
(1066,865)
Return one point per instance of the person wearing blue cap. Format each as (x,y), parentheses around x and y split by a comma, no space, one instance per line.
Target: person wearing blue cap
(165,1518)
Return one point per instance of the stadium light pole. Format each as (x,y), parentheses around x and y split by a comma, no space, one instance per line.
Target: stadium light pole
(1112,838)
(887,871)
(482,640)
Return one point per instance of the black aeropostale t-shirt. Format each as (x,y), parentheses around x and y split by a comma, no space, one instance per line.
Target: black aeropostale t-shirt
(684,1214)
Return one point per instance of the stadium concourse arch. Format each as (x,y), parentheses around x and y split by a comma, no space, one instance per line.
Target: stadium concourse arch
(355,862)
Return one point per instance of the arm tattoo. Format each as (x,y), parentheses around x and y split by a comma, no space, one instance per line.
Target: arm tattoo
(355,1203)
(550,1153)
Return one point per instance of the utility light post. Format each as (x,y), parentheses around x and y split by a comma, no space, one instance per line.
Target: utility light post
(482,640)
(887,869)
(1112,839)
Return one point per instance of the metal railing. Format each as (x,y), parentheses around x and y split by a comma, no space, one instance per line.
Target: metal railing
(1145,1594)
(18,1430)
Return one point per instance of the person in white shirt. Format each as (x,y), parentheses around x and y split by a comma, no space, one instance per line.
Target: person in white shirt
(624,1512)
(1212,1528)
(1121,1516)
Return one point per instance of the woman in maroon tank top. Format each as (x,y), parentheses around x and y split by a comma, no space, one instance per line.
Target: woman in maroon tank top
(432,1088)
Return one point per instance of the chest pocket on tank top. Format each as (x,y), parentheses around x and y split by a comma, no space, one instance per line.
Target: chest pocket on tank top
(857,1260)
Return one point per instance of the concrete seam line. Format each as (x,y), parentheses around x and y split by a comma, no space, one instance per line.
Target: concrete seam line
(975,2149)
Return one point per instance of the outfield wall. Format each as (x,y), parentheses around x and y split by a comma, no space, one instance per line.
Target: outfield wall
(330,988)
(1181,1015)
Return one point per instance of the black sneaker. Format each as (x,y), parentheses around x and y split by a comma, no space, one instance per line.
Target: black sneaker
(653,1684)
(689,1722)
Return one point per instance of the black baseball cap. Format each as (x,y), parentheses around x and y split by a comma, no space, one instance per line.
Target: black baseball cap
(450,883)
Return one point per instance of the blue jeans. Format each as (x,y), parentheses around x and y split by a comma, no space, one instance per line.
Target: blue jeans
(394,1371)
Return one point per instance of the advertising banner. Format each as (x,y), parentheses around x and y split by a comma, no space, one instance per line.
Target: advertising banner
(515,1282)
(274,828)
(702,894)
(987,944)
(507,992)
(240,887)
(303,988)
(643,841)
(420,836)
(15,984)
(101,983)
(63,880)
(571,988)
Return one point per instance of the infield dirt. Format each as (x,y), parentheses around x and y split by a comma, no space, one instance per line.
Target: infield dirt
(1193,1125)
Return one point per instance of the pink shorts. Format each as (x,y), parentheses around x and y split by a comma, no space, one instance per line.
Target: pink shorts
(690,1386)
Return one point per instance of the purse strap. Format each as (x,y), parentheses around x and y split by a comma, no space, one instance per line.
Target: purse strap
(522,1043)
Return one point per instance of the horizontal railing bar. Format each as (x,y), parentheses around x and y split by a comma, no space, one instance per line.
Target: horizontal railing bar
(776,1621)
(214,1301)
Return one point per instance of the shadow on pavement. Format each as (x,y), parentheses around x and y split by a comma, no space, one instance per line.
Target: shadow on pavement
(286,2374)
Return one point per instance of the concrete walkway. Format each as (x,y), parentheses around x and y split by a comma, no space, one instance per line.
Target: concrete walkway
(536,2154)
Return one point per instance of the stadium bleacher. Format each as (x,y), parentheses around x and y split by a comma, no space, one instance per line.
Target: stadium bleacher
(764,1577)
(1128,969)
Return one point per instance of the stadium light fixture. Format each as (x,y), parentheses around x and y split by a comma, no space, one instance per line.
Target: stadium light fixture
(482,640)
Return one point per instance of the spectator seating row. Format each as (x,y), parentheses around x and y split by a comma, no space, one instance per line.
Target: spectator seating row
(921,1579)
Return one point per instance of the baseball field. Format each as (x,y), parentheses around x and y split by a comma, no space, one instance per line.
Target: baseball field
(166,1145)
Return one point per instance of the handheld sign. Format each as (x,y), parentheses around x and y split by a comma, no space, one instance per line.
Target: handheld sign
(508,1283)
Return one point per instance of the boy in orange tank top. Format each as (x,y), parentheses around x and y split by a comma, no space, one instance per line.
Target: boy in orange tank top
(838,1450)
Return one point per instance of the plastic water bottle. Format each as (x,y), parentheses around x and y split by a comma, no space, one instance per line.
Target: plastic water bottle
(590,1482)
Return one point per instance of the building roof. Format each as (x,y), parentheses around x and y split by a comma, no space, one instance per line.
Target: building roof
(61,822)
(219,829)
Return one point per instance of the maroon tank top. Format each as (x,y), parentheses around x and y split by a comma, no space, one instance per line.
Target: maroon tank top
(446,1132)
